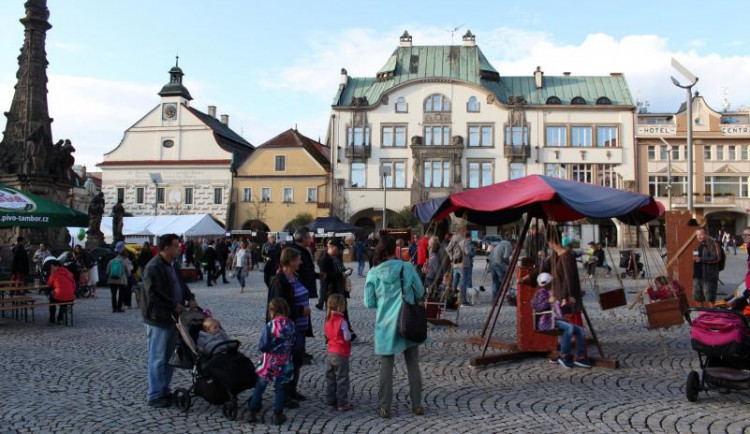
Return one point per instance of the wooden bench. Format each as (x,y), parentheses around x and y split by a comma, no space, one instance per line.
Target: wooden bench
(68,315)
(17,305)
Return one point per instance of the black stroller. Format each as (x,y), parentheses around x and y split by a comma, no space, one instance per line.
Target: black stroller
(219,376)
(721,337)
(631,264)
(83,290)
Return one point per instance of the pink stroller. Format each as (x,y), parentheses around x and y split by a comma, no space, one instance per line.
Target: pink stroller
(721,338)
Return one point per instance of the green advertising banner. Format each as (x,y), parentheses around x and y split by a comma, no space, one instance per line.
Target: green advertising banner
(19,208)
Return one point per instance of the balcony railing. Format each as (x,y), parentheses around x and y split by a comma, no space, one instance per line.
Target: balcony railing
(705,199)
(517,153)
(358,151)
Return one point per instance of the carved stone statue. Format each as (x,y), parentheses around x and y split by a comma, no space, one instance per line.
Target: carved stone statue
(67,160)
(96,211)
(118,212)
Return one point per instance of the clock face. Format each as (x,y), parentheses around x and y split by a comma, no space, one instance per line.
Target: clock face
(170,111)
(174,196)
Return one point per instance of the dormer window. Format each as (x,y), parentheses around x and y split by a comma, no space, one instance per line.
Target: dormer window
(472,106)
(578,101)
(603,101)
(437,103)
(553,100)
(401,106)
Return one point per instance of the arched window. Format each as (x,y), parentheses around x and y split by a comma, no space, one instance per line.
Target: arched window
(472,106)
(401,106)
(603,101)
(437,103)
(553,100)
(578,101)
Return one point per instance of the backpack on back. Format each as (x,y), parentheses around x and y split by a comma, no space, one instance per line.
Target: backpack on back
(116,269)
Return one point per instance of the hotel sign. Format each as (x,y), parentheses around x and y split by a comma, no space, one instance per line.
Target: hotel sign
(655,130)
(736,131)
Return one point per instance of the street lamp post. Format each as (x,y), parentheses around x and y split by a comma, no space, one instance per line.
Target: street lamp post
(669,171)
(385,174)
(689,100)
(156,179)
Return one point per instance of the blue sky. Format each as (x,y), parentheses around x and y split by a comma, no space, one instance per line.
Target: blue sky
(271,65)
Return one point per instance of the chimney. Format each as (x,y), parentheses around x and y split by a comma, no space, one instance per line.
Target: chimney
(469,39)
(538,74)
(225,119)
(615,74)
(567,74)
(405,40)
(344,77)
(212,111)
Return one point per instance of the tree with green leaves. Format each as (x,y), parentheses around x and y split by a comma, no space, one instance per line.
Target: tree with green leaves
(301,219)
(404,218)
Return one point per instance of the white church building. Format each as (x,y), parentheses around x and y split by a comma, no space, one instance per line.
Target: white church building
(175,159)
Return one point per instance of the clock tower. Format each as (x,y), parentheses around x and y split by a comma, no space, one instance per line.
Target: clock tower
(174,93)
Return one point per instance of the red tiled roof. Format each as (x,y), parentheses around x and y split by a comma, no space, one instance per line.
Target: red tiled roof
(291,138)
(164,163)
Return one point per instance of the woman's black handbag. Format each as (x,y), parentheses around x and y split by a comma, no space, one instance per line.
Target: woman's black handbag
(412,320)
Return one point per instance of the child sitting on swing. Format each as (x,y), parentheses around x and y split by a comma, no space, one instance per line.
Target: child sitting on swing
(663,290)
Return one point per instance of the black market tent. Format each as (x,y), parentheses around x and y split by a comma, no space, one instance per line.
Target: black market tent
(330,224)
(19,208)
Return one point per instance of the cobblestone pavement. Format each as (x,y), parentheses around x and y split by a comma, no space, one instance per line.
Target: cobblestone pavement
(91,378)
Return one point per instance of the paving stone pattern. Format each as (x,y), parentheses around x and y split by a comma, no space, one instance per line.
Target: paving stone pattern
(92,377)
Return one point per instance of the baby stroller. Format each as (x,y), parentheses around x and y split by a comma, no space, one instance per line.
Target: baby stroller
(721,337)
(631,264)
(219,376)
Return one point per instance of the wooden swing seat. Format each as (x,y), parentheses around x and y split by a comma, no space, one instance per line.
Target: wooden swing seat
(666,313)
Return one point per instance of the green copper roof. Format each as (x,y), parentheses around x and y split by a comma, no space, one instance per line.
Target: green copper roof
(469,65)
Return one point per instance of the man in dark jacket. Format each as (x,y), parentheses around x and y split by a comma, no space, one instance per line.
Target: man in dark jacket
(306,272)
(165,297)
(210,257)
(271,254)
(222,254)
(20,266)
(334,282)
(705,269)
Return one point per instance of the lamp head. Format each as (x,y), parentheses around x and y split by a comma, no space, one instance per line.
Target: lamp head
(675,82)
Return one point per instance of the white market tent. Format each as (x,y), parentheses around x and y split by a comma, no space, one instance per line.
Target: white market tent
(138,229)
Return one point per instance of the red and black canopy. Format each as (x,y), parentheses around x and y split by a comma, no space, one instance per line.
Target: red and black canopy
(542,197)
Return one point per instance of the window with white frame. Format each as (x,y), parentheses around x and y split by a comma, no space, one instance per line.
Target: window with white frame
(265,194)
(743,153)
(557,135)
(480,173)
(218,195)
(188,195)
(581,172)
(288,195)
(437,103)
(727,185)
(312,194)
(480,136)
(675,153)
(516,170)
(472,106)
(720,153)
(707,152)
(651,153)
(556,170)
(140,193)
(516,136)
(357,175)
(393,136)
(437,135)
(280,163)
(606,175)
(606,137)
(396,170)
(663,149)
(658,186)
(401,106)
(160,195)
(358,136)
(437,173)
(732,152)
(247,194)
(580,136)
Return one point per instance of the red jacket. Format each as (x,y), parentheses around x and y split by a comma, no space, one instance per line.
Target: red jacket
(335,336)
(422,251)
(63,283)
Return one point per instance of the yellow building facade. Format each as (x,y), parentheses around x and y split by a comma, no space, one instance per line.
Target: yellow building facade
(284,177)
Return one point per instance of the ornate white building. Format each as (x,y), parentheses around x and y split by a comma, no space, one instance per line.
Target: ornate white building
(175,160)
(440,119)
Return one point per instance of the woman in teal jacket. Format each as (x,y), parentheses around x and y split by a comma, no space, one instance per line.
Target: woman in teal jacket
(383,292)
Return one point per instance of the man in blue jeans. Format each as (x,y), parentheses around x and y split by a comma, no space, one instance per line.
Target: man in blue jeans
(499,262)
(165,296)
